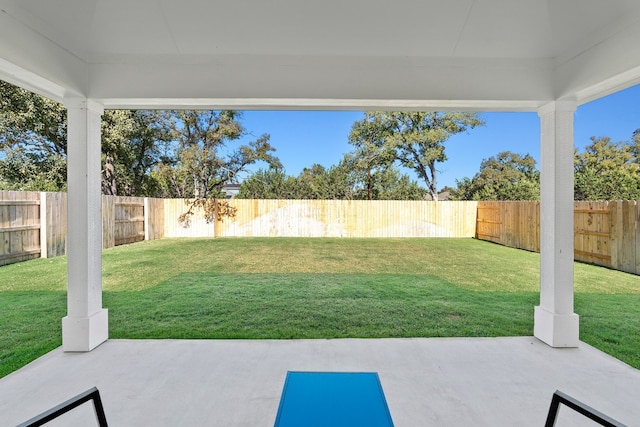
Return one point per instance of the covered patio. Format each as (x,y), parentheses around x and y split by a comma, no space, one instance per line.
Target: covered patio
(460,55)
(445,382)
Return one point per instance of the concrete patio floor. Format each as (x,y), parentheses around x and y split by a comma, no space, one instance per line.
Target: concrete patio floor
(427,381)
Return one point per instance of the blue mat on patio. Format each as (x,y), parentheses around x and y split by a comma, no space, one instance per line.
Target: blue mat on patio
(333,399)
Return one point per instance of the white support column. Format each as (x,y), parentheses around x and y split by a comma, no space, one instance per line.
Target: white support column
(86,324)
(555,323)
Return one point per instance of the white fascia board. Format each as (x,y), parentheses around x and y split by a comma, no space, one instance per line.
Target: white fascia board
(323,104)
(15,75)
(30,60)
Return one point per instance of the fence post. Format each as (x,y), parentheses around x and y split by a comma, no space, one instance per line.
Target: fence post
(44,225)
(628,238)
(108,221)
(215,218)
(636,229)
(145,211)
(613,233)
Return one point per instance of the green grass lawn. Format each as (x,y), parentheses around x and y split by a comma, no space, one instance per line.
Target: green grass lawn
(313,288)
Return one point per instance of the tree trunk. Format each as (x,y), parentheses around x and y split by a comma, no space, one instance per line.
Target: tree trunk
(109,182)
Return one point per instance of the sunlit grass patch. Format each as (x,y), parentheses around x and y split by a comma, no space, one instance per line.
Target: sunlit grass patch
(281,288)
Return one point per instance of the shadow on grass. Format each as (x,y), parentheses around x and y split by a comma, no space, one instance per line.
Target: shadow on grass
(31,326)
(611,323)
(286,306)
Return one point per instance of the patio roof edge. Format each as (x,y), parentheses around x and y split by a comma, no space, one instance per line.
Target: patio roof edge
(321,104)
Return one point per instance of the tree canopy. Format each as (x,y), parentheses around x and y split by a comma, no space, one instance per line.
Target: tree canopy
(270,183)
(414,139)
(608,170)
(604,170)
(506,176)
(164,153)
(202,160)
(343,181)
(33,141)
(33,135)
(194,153)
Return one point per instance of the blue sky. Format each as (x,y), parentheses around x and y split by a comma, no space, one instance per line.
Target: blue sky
(302,138)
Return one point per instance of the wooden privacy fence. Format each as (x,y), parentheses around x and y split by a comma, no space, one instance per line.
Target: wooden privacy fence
(131,219)
(605,233)
(513,224)
(34,224)
(330,218)
(19,226)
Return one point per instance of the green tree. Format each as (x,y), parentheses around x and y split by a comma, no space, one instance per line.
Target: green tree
(314,183)
(31,122)
(34,129)
(116,126)
(147,145)
(506,176)
(336,183)
(133,143)
(204,162)
(203,157)
(376,178)
(21,170)
(33,139)
(390,184)
(371,153)
(343,181)
(635,145)
(270,184)
(607,170)
(415,139)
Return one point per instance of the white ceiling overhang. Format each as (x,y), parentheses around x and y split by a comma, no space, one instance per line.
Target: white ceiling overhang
(335,54)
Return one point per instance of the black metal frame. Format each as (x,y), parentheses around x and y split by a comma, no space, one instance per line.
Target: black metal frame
(597,416)
(63,408)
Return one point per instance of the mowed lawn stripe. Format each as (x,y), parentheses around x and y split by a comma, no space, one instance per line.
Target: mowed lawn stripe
(284,306)
(313,288)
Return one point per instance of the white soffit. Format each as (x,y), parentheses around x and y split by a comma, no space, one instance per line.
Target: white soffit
(512,29)
(503,53)
(317,28)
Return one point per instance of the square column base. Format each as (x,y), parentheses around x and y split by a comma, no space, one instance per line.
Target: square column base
(85,333)
(556,330)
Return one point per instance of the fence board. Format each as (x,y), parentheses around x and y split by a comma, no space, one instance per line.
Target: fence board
(19,226)
(615,229)
(128,220)
(592,233)
(197,227)
(636,234)
(154,217)
(489,221)
(315,218)
(579,232)
(54,224)
(34,224)
(108,222)
(343,218)
(627,258)
(605,233)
